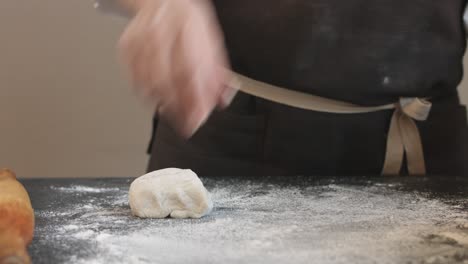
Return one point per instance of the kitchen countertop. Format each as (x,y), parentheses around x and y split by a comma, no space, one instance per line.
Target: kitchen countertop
(270,220)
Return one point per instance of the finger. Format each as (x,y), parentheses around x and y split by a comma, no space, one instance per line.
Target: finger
(228,92)
(226,97)
(131,48)
(131,37)
(161,59)
(189,107)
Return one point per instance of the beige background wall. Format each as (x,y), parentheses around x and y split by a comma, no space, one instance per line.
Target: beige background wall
(65,110)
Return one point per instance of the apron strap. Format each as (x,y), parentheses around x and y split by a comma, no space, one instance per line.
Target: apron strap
(403,135)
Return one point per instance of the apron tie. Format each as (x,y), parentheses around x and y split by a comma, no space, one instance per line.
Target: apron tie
(403,136)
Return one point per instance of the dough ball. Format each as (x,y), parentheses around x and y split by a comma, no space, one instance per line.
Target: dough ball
(175,192)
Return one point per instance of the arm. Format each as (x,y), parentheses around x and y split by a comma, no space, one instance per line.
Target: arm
(465,18)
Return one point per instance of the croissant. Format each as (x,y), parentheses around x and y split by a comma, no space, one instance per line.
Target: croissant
(16,220)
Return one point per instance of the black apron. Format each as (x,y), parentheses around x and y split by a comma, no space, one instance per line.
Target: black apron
(361,51)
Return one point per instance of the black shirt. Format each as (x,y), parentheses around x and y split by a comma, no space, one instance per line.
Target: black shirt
(362,51)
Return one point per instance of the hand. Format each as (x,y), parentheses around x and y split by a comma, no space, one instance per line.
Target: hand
(175,52)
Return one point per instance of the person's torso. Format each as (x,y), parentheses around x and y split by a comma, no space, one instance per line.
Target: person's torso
(362,51)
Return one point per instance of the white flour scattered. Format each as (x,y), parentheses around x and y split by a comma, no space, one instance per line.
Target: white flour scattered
(86,189)
(70,227)
(263,223)
(84,234)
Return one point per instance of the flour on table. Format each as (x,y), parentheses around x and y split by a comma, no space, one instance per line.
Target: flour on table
(169,192)
(86,189)
(261,223)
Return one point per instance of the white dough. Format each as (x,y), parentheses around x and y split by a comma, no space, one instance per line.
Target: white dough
(175,192)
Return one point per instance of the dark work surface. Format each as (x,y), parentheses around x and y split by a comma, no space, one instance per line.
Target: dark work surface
(269,220)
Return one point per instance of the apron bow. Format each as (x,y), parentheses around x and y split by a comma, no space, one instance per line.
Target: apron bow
(403,138)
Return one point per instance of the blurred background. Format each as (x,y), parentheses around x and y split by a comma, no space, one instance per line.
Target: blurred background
(66,109)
